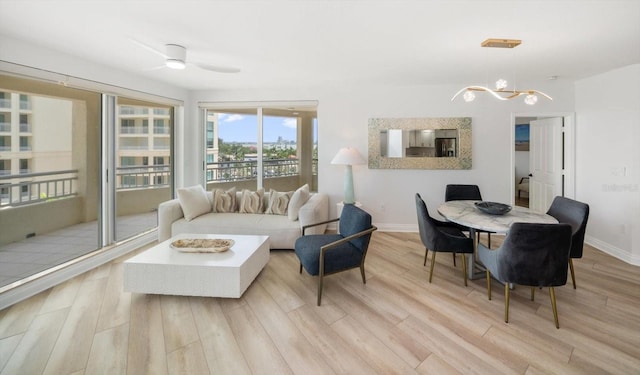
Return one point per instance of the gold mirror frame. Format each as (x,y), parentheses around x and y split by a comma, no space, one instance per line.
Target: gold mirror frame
(462,124)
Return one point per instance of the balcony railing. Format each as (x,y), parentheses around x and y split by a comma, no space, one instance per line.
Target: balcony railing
(25,128)
(161,130)
(5,103)
(135,177)
(134,130)
(248,169)
(134,111)
(41,187)
(5,127)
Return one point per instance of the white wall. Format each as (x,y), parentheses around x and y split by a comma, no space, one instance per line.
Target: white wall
(608,159)
(388,195)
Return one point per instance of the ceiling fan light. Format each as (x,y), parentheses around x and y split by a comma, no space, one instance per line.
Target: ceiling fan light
(469,96)
(531,99)
(175,64)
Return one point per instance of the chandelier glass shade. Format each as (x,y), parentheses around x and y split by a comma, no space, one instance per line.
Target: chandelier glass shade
(501,92)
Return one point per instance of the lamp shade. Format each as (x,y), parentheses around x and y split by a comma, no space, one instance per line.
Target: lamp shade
(348,156)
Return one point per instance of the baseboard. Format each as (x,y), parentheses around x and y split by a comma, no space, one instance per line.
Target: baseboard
(411,228)
(74,269)
(612,250)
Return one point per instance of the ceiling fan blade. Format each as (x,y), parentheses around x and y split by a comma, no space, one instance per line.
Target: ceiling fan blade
(149,48)
(217,69)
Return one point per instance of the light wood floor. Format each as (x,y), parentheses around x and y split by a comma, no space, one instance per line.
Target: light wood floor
(397,323)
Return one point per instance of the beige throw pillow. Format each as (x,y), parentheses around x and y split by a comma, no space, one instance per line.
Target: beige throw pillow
(193,201)
(251,202)
(298,199)
(278,202)
(224,201)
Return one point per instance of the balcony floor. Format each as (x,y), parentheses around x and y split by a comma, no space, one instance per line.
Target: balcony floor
(19,260)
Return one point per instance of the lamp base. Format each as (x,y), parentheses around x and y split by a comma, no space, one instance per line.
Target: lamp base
(349,197)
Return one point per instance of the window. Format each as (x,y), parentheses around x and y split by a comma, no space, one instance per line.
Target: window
(25,144)
(288,145)
(127,161)
(127,126)
(25,126)
(24,166)
(5,167)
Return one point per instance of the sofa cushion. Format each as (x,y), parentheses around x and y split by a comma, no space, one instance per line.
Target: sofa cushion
(224,201)
(298,199)
(193,201)
(251,202)
(278,202)
(282,232)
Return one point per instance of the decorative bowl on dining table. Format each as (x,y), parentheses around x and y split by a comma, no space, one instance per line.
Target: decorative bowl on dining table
(493,208)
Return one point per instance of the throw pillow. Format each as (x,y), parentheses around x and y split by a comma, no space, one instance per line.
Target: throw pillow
(278,202)
(224,201)
(251,202)
(193,201)
(298,199)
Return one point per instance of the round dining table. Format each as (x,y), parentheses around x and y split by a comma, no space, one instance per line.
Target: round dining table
(466,213)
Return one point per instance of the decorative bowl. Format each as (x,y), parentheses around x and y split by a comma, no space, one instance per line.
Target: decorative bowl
(493,208)
(202,245)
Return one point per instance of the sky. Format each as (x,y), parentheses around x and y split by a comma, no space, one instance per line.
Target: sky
(242,128)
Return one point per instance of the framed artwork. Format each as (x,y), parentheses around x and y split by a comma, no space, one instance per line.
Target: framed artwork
(522,137)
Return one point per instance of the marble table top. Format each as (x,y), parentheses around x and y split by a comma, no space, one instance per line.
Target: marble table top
(465,213)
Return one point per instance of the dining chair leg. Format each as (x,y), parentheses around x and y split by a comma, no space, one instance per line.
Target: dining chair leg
(488,284)
(533,291)
(454,259)
(426,252)
(433,262)
(552,294)
(506,302)
(489,241)
(573,275)
(464,269)
(364,280)
(300,267)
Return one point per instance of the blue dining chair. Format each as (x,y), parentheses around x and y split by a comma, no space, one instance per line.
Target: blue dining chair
(439,236)
(576,214)
(534,255)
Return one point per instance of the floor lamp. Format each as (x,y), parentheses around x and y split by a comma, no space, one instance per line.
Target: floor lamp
(348,156)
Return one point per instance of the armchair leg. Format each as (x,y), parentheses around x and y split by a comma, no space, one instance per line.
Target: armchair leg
(433,262)
(426,252)
(552,294)
(300,267)
(319,288)
(488,284)
(533,291)
(454,259)
(573,275)
(364,280)
(464,268)
(506,302)
(489,241)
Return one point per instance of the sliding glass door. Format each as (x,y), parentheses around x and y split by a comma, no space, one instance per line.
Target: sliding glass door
(49,176)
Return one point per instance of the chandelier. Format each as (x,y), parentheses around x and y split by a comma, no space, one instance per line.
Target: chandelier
(501,92)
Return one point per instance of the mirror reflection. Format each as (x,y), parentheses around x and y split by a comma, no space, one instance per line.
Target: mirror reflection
(412,143)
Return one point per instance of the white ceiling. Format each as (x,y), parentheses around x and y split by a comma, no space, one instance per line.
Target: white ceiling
(280,43)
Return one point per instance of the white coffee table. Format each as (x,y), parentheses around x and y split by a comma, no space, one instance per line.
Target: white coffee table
(164,270)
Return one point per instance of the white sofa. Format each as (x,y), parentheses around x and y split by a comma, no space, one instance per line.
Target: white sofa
(282,231)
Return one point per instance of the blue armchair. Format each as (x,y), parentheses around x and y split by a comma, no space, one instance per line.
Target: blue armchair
(325,254)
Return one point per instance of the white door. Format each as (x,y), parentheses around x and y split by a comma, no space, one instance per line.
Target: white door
(545,162)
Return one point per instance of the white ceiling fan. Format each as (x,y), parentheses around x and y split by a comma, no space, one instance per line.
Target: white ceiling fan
(175,57)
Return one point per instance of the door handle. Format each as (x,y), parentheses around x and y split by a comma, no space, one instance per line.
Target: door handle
(530,175)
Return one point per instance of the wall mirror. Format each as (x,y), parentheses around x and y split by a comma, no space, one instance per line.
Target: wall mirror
(420,143)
